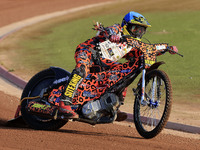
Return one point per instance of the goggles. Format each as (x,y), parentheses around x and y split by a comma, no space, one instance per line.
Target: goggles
(136,30)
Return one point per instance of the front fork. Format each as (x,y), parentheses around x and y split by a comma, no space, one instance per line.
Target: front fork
(152,98)
(143,102)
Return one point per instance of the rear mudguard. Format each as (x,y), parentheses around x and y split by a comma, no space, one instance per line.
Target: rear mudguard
(61,75)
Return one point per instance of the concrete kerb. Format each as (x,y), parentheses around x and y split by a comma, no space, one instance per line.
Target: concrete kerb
(7,30)
(12,77)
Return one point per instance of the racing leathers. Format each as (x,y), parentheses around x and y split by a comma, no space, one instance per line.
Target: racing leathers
(89,58)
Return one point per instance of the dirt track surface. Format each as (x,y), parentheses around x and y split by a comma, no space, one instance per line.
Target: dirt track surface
(74,135)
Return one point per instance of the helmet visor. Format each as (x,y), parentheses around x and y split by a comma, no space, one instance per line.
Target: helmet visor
(136,31)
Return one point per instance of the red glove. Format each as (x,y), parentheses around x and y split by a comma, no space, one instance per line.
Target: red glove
(115,38)
(174,48)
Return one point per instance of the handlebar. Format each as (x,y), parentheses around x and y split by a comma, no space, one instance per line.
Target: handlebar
(169,49)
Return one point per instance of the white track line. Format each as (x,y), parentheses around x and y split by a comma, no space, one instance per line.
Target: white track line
(6,30)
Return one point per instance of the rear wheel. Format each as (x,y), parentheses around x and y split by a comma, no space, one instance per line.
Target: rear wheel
(151,116)
(33,88)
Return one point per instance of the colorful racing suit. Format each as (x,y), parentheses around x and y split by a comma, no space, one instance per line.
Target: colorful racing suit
(88,60)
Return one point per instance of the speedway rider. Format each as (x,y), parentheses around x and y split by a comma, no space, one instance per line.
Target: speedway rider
(134,25)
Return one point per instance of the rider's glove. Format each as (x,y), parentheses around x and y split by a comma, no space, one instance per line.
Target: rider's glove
(115,38)
(174,48)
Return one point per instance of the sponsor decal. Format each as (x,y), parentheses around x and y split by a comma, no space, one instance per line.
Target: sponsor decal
(35,107)
(125,71)
(61,80)
(100,77)
(149,62)
(88,77)
(82,55)
(110,52)
(41,106)
(72,85)
(120,71)
(114,71)
(85,85)
(83,62)
(89,94)
(160,47)
(113,77)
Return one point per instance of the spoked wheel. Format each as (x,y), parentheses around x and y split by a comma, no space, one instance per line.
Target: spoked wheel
(151,116)
(33,88)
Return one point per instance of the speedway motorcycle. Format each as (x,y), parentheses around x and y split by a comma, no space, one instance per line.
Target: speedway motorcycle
(152,104)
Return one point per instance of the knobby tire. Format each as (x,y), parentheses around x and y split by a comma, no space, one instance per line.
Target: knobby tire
(33,88)
(167,108)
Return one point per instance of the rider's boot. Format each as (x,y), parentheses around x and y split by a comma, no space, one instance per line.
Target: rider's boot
(64,107)
(66,111)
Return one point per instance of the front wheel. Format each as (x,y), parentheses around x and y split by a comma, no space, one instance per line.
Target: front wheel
(151,116)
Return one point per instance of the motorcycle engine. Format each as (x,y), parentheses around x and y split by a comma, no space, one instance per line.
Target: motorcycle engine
(96,109)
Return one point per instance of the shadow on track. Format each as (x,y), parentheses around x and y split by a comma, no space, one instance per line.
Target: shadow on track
(96,134)
(3,122)
(20,124)
(17,123)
